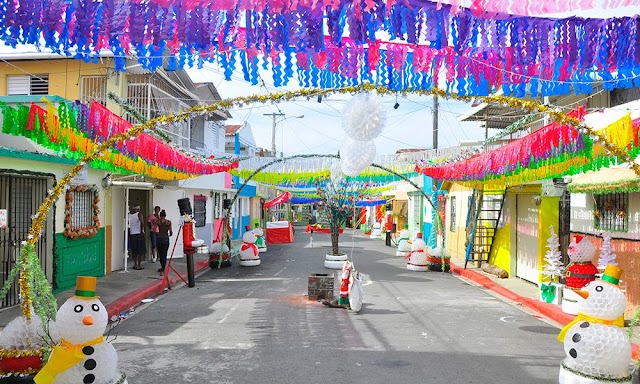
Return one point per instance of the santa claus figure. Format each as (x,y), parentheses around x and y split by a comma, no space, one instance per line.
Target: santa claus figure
(345,280)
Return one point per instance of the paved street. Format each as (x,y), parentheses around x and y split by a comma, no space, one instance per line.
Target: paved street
(254,325)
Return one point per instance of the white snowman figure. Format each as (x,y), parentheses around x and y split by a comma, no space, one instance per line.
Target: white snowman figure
(404,245)
(597,346)
(260,241)
(418,257)
(376,232)
(249,251)
(82,355)
(579,272)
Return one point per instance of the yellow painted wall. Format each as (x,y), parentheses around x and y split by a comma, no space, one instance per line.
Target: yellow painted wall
(549,214)
(65,75)
(501,252)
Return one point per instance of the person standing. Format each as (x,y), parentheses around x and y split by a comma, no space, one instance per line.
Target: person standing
(136,233)
(153,232)
(165,231)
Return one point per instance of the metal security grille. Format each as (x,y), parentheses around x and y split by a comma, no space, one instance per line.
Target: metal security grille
(200,210)
(93,88)
(21,196)
(611,212)
(453,214)
(82,209)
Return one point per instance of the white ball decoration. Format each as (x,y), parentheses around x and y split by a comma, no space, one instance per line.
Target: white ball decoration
(21,333)
(355,156)
(364,117)
(337,176)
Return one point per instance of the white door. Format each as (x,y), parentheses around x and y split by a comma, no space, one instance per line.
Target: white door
(168,201)
(118,227)
(527,239)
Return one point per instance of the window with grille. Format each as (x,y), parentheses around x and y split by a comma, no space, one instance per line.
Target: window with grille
(611,212)
(27,85)
(81,211)
(200,210)
(453,213)
(93,88)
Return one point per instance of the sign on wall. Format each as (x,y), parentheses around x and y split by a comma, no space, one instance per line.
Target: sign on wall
(3,219)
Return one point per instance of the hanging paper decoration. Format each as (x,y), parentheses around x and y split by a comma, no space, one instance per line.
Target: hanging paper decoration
(330,44)
(364,117)
(355,156)
(74,130)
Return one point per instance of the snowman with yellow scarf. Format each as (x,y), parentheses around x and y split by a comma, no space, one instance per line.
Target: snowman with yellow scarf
(597,346)
(82,355)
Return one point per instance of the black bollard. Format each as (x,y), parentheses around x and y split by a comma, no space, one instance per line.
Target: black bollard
(190,270)
(387,241)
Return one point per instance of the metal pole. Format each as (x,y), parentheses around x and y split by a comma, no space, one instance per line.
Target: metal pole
(435,122)
(190,270)
(273,130)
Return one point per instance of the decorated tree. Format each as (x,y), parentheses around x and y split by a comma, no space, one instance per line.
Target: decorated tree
(338,196)
(606,254)
(553,266)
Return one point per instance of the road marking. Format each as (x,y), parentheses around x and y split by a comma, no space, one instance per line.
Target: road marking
(504,319)
(233,309)
(280,271)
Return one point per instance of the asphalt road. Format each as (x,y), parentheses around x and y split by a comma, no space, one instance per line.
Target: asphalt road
(254,325)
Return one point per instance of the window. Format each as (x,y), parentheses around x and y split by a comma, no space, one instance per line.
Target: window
(611,212)
(93,88)
(200,210)
(27,85)
(453,213)
(81,211)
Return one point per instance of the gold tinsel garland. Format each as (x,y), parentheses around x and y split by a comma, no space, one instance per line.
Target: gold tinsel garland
(276,97)
(15,353)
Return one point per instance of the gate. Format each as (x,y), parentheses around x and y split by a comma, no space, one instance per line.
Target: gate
(21,195)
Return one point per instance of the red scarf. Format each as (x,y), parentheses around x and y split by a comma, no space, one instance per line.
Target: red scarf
(246,246)
(409,255)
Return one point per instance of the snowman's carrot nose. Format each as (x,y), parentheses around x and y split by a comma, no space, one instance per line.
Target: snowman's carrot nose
(583,294)
(87,320)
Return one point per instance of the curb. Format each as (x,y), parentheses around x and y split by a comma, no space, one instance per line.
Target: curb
(132,299)
(547,310)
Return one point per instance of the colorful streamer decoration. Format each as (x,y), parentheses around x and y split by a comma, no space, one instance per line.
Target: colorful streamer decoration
(74,130)
(329,44)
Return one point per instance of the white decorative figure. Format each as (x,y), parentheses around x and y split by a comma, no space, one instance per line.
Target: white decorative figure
(606,255)
(82,356)
(553,269)
(579,273)
(23,333)
(418,257)
(404,245)
(597,347)
(248,251)
(376,232)
(260,241)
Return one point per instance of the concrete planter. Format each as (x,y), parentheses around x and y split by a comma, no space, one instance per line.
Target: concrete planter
(334,261)
(320,286)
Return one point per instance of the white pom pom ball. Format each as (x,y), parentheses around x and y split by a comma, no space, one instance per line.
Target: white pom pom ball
(364,117)
(355,156)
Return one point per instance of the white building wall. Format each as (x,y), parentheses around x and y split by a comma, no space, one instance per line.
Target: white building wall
(582,207)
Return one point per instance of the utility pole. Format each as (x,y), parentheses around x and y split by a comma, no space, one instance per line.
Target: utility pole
(273,130)
(435,122)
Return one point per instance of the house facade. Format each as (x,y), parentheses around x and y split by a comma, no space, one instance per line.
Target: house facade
(98,197)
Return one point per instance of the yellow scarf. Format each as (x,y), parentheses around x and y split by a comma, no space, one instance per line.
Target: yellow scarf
(63,357)
(619,322)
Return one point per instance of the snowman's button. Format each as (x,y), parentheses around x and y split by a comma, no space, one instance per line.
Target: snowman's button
(88,379)
(88,350)
(573,353)
(584,324)
(576,338)
(90,364)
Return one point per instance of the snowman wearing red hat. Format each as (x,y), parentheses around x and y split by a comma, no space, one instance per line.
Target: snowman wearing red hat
(580,272)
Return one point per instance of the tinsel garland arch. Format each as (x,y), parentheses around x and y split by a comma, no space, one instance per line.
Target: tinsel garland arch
(33,279)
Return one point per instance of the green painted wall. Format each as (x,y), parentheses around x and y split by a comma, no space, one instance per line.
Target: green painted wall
(80,257)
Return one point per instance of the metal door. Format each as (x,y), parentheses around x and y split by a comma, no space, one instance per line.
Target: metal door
(21,196)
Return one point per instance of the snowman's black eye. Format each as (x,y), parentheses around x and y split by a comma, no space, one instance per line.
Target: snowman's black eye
(599,288)
(78,308)
(95,307)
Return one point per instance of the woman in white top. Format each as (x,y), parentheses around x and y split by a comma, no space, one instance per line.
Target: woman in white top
(136,236)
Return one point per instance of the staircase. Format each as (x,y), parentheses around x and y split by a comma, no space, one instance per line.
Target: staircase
(482,220)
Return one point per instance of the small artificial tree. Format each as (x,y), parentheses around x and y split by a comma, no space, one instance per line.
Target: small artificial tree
(338,196)
(606,254)
(553,266)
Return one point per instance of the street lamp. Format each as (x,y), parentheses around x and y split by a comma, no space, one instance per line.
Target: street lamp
(273,127)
